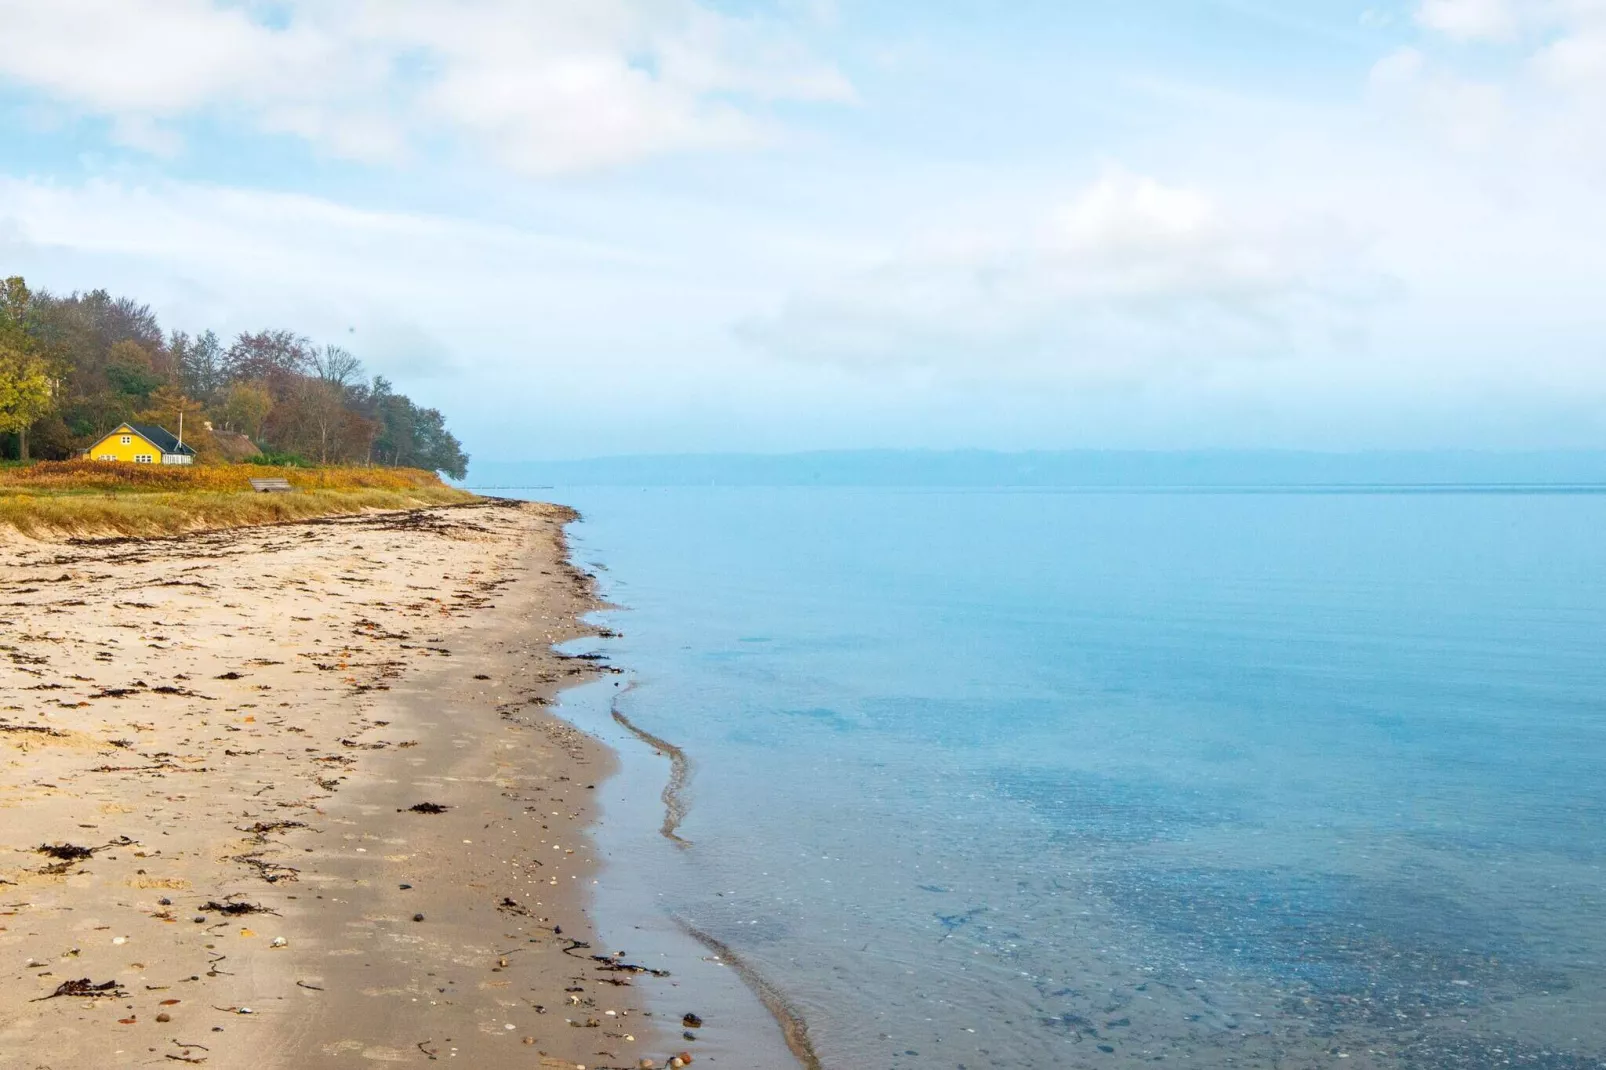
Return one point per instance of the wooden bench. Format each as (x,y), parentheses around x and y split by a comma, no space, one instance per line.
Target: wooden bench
(271,486)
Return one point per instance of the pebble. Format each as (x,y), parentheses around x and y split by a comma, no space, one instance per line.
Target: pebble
(279,941)
(164,1017)
(418,917)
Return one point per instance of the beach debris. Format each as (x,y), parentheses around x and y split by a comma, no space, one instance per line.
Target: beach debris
(37,729)
(68,855)
(426,808)
(261,829)
(418,917)
(234,910)
(87,989)
(65,852)
(164,1017)
(272,872)
(610,965)
(691,1021)
(278,941)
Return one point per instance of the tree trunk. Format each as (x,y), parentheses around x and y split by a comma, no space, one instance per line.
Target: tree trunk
(22,444)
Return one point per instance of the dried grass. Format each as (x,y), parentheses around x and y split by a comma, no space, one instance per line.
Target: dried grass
(100,498)
(120,477)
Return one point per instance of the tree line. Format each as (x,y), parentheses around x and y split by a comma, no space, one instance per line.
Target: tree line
(72,368)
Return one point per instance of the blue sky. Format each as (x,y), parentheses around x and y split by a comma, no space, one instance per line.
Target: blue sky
(610,226)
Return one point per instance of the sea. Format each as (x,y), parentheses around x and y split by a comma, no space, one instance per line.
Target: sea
(1272,777)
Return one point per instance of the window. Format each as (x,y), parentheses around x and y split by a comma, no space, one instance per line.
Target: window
(128,440)
(142,458)
(106,457)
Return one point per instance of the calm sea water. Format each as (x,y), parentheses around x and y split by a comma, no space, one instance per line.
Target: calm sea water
(1030,779)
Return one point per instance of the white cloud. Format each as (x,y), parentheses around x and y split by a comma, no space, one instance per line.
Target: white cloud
(1471,20)
(562,85)
(1536,89)
(233,259)
(1468,114)
(1577,62)
(1129,278)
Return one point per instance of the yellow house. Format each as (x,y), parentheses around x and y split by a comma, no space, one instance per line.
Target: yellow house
(141,444)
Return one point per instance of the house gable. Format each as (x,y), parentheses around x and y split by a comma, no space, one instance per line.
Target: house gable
(140,444)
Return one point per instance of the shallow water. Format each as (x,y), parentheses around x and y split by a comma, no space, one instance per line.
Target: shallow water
(1018,779)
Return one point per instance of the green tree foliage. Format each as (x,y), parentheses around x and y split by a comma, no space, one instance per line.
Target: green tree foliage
(27,389)
(131,373)
(72,368)
(410,436)
(244,408)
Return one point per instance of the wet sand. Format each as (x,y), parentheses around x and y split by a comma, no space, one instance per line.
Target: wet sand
(222,738)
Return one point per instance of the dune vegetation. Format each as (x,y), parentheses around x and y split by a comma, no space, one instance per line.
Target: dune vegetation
(63,499)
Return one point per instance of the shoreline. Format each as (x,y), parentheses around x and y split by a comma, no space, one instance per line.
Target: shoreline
(233,720)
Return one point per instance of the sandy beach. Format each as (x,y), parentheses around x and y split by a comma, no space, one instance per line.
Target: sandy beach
(289,796)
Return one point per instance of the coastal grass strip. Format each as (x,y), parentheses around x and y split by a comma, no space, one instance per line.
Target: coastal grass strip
(117,477)
(57,515)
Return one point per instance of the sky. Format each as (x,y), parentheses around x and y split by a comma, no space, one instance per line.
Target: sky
(591,227)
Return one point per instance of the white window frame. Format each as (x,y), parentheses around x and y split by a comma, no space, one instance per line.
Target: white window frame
(142,458)
(128,440)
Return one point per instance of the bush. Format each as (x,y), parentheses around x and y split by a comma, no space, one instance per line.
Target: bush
(282,459)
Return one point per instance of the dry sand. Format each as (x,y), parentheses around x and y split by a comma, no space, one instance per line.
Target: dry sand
(243,719)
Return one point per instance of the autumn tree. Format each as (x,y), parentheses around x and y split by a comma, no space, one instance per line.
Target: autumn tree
(27,390)
(244,409)
(72,368)
(199,362)
(336,366)
(275,359)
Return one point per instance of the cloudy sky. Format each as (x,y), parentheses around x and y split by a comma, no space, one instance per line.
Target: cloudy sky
(604,226)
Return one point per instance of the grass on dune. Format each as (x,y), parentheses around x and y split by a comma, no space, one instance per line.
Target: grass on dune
(97,498)
(119,477)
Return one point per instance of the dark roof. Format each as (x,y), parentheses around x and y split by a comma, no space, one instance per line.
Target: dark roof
(160,438)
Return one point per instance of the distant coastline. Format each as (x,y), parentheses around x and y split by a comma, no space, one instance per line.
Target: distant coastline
(1219,470)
